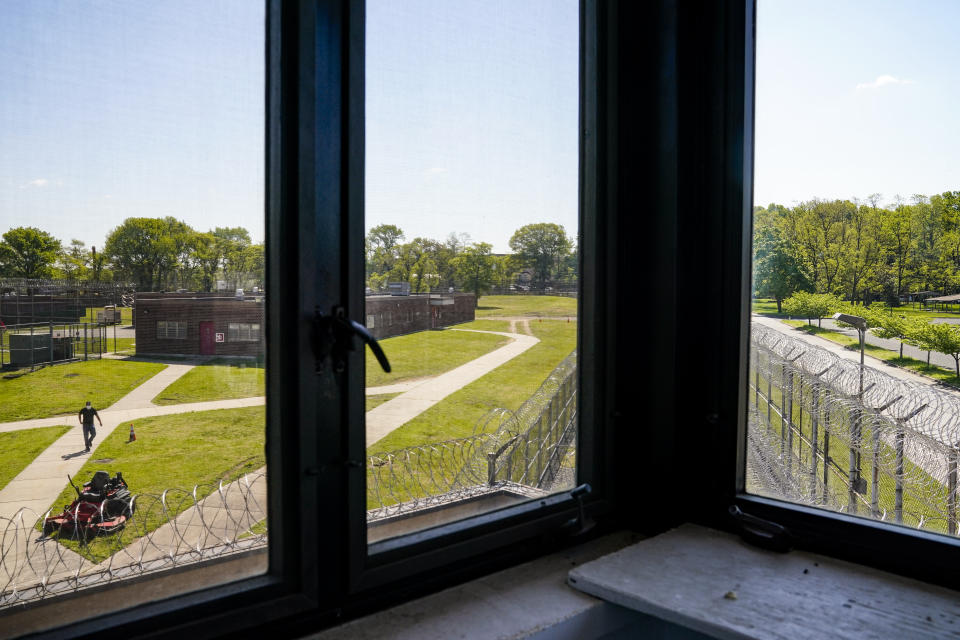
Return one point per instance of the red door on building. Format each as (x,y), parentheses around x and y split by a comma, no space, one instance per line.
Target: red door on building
(207,345)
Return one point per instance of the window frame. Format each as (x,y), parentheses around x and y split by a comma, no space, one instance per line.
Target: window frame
(719,416)
(694,174)
(180,332)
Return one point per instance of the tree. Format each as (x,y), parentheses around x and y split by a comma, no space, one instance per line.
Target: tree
(541,247)
(206,256)
(893,327)
(811,305)
(920,335)
(75,261)
(28,252)
(142,250)
(776,274)
(475,269)
(945,338)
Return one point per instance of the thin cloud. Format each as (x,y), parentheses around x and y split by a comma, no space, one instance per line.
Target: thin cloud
(432,171)
(882,81)
(39,183)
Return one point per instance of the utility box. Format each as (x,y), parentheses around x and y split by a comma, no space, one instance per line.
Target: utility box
(26,349)
(109,315)
(399,288)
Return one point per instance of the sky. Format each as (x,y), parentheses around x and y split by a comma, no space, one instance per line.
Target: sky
(855,98)
(111,109)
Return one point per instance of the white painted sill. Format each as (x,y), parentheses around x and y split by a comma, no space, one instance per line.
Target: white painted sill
(714,583)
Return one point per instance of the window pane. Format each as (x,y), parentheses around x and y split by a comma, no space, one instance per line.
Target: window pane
(856,213)
(131,196)
(471,275)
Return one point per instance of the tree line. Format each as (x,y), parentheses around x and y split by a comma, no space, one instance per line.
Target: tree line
(157,254)
(919,332)
(153,254)
(858,250)
(544,250)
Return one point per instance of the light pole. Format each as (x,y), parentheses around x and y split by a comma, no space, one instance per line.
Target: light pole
(858,484)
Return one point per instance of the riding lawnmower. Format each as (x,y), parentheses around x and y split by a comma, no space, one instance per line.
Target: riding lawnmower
(103,506)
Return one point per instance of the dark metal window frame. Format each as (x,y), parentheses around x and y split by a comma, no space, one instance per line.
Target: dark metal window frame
(717,99)
(320,566)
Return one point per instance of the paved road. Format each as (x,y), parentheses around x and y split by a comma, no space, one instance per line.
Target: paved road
(939,359)
(833,347)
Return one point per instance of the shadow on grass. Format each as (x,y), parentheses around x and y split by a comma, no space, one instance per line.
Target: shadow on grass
(482,308)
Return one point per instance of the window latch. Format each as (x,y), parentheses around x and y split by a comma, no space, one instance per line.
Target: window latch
(333,336)
(582,523)
(761,533)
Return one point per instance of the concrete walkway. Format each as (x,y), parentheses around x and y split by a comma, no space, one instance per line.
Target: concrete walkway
(391,414)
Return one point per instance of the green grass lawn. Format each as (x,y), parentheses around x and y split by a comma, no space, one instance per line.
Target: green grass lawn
(216,380)
(507,386)
(941,375)
(428,353)
(122,345)
(485,325)
(64,388)
(534,306)
(177,451)
(19,448)
(377,400)
(765,306)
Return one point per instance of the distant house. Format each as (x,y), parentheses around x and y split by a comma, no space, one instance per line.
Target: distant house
(390,315)
(207,324)
(213,324)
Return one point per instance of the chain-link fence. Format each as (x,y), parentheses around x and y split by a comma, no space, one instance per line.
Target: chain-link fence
(825,431)
(531,451)
(38,344)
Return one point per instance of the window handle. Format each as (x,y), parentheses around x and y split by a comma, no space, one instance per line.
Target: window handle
(333,336)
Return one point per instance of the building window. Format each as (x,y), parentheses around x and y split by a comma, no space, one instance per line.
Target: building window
(243,332)
(371,321)
(171,330)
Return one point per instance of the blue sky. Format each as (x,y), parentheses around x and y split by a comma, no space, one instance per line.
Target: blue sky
(855,98)
(110,109)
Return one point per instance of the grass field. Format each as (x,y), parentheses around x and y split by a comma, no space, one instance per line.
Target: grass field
(216,380)
(377,400)
(944,376)
(508,386)
(64,388)
(768,307)
(485,325)
(19,448)
(533,306)
(178,451)
(428,353)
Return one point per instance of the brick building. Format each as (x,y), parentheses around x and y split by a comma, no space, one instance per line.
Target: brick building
(388,316)
(198,324)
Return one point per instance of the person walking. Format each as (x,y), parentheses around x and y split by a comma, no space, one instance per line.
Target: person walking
(86,417)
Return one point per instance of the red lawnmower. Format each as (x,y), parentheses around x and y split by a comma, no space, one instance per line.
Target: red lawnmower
(102,507)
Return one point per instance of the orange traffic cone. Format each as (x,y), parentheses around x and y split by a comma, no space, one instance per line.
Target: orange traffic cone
(133,436)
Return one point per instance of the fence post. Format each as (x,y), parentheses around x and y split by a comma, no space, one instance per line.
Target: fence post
(769,390)
(826,457)
(539,449)
(875,475)
(31,343)
(814,429)
(756,384)
(952,492)
(898,493)
(491,468)
(790,424)
(51,332)
(84,341)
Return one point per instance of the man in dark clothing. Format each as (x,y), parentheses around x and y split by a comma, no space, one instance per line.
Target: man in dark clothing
(86,416)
